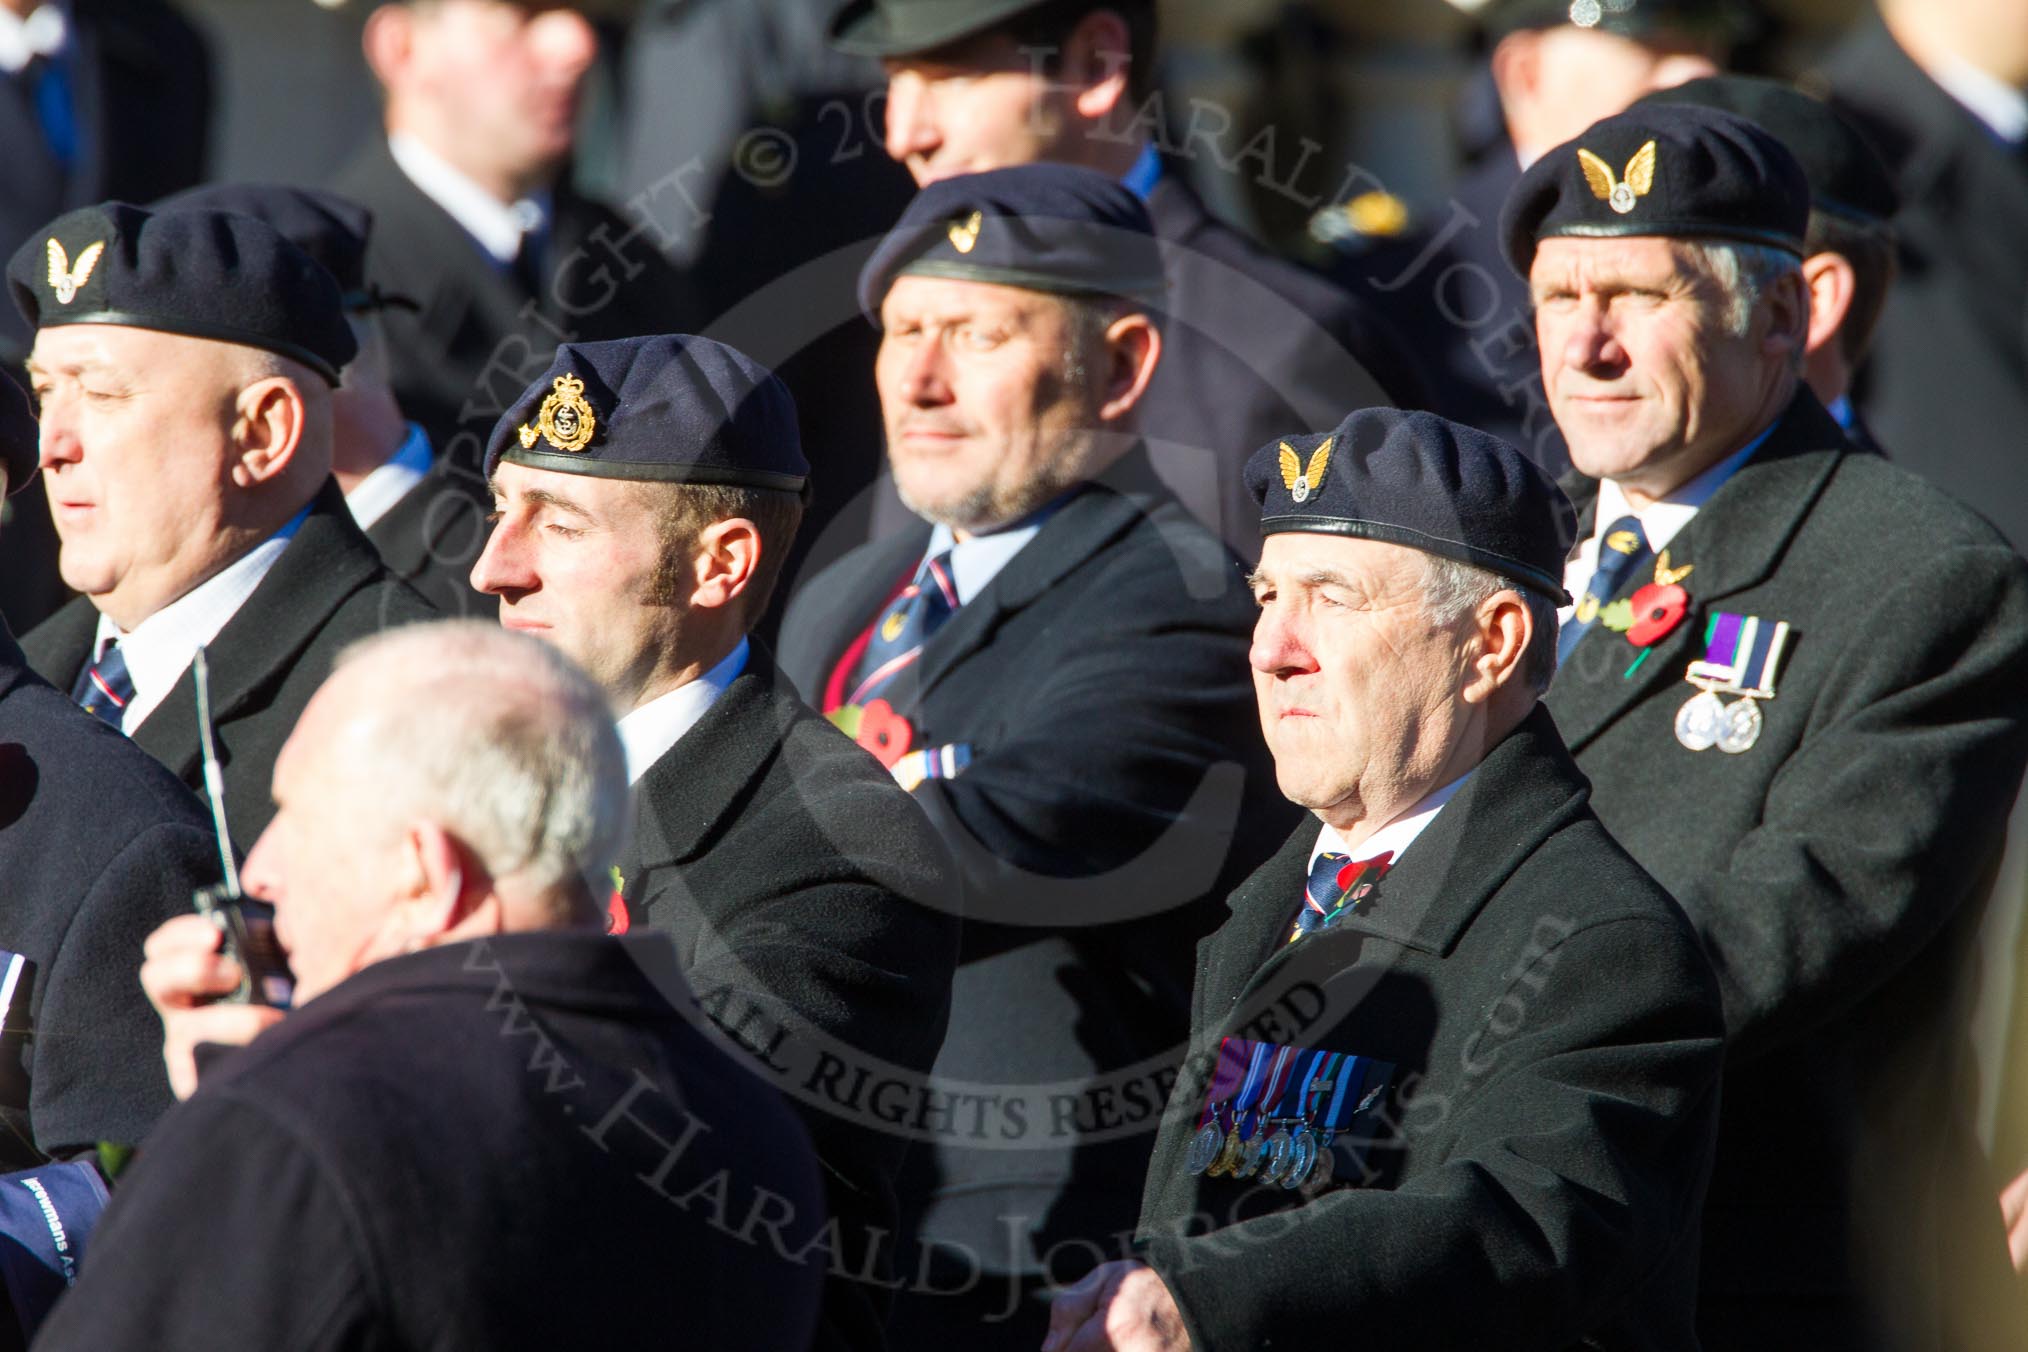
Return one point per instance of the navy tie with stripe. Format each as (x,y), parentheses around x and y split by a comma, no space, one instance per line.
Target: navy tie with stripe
(1621,550)
(105,688)
(898,637)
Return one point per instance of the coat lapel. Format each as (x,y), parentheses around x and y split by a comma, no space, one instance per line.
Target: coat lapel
(1733,543)
(326,561)
(698,785)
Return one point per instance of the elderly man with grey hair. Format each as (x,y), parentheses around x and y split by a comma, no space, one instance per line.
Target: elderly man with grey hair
(1797,678)
(481,1123)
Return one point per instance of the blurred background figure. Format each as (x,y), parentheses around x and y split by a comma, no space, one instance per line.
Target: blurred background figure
(1554,67)
(475,218)
(102,99)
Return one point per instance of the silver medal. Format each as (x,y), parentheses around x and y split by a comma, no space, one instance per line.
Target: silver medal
(1253,1154)
(1700,721)
(1204,1148)
(1742,727)
(1278,1150)
(1302,1158)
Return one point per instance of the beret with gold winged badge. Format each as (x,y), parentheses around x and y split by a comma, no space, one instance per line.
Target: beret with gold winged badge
(1422,481)
(1676,170)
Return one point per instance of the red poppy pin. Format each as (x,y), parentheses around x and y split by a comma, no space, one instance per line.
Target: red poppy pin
(617,919)
(884,732)
(1658,609)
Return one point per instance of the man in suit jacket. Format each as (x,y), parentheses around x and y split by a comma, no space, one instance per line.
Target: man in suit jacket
(99,100)
(1937,87)
(1254,345)
(1455,1057)
(1798,678)
(475,221)
(184,363)
(647,490)
(425,514)
(1076,729)
(98,845)
(465,1045)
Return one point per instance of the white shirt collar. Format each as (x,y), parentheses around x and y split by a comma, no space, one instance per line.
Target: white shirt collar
(1398,834)
(497,225)
(1661,520)
(2003,108)
(977,560)
(376,494)
(45,32)
(160,647)
(649,731)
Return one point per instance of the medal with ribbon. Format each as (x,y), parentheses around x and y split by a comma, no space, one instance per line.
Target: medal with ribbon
(1254,1134)
(1229,1146)
(1288,1114)
(1371,1079)
(1741,654)
(1303,1144)
(1225,1082)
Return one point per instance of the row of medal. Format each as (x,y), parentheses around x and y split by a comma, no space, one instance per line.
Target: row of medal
(1276,1122)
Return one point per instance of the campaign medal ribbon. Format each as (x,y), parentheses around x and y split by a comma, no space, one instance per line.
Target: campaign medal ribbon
(1228,1150)
(1253,1153)
(1281,1145)
(1741,654)
(1303,1144)
(1372,1077)
(1210,1136)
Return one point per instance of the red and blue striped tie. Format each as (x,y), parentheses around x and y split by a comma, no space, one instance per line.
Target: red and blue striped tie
(105,687)
(909,622)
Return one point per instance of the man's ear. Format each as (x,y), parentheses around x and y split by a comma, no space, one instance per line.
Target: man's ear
(388,40)
(1096,58)
(1832,281)
(1517,67)
(1133,348)
(1788,303)
(1505,628)
(442,885)
(268,430)
(727,557)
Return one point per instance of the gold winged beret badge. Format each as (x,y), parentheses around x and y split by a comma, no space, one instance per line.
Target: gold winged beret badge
(565,420)
(64,279)
(1620,194)
(1302,483)
(965,234)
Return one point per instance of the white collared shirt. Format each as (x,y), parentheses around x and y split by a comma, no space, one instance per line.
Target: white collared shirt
(1661,520)
(497,226)
(649,731)
(45,32)
(1398,834)
(159,649)
(376,494)
(2002,107)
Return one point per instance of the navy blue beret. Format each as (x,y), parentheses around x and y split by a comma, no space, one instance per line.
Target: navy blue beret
(668,408)
(1422,481)
(205,274)
(20,439)
(1045,227)
(1637,19)
(1661,169)
(1846,178)
(329,228)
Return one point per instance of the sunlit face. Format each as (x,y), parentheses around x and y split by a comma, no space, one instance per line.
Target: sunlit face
(1644,375)
(985,418)
(984,106)
(137,453)
(330,862)
(574,561)
(502,79)
(1587,74)
(1358,689)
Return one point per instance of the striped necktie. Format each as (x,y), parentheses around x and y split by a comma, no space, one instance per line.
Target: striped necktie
(898,636)
(1338,883)
(104,688)
(1621,550)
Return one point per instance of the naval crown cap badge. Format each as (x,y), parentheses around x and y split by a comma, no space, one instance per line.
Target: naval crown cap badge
(65,278)
(1620,194)
(1300,482)
(565,420)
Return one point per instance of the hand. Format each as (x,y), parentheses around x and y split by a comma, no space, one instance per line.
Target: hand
(185,975)
(2014,1207)
(1124,1307)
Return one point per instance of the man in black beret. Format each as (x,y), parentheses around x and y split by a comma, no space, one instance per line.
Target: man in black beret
(1255,344)
(1798,679)
(1051,662)
(426,514)
(475,217)
(1493,1125)
(184,364)
(647,491)
(1553,67)
(1849,245)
